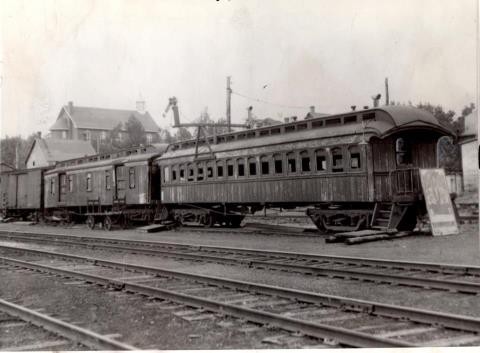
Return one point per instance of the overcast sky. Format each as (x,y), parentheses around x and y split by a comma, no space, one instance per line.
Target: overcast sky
(331,54)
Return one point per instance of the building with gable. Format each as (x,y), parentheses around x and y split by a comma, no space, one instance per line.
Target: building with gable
(45,152)
(92,124)
(468,141)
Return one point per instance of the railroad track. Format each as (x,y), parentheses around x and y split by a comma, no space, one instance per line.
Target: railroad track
(336,320)
(30,330)
(455,278)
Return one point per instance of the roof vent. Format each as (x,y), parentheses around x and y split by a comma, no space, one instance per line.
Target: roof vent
(353,107)
(365,107)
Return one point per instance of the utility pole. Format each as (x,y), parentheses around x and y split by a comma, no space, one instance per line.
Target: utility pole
(387,97)
(229,100)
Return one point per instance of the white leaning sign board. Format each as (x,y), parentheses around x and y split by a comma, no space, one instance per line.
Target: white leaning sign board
(438,202)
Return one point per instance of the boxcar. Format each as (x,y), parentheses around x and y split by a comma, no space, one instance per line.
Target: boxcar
(351,168)
(21,193)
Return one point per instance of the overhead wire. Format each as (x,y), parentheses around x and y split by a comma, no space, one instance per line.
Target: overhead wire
(267,102)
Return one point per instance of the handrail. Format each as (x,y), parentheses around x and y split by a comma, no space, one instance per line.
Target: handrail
(410,177)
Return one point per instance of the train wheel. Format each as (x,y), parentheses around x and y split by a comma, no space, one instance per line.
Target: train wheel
(107,223)
(90,222)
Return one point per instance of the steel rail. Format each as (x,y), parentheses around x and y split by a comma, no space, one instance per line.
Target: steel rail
(442,284)
(344,336)
(77,334)
(393,311)
(395,264)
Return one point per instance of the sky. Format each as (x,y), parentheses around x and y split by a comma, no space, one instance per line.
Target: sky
(284,55)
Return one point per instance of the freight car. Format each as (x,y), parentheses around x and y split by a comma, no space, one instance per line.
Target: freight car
(21,193)
(111,188)
(354,170)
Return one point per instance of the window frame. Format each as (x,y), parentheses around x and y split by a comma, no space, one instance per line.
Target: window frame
(240,162)
(353,150)
(108,181)
(89,182)
(132,177)
(295,159)
(301,156)
(281,159)
(265,159)
(252,161)
(320,152)
(333,154)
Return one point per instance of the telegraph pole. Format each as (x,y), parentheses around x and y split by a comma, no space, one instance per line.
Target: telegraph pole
(229,100)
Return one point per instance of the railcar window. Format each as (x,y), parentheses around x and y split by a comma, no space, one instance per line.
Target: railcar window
(191,173)
(337,160)
(252,166)
(63,184)
(321,160)
(230,168)
(305,158)
(182,173)
(330,122)
(166,174)
(241,167)
(70,183)
(278,162)
(275,131)
(174,174)
(108,180)
(355,162)
(292,162)
(200,174)
(318,123)
(403,152)
(368,116)
(350,119)
(209,170)
(289,128)
(89,181)
(219,170)
(302,127)
(131,177)
(52,186)
(264,165)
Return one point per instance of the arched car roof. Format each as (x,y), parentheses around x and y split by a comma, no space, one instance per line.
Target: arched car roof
(388,120)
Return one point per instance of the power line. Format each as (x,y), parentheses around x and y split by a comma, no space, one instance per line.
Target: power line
(271,103)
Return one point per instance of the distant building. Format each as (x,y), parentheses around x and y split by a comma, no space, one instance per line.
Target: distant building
(45,152)
(468,141)
(313,114)
(87,123)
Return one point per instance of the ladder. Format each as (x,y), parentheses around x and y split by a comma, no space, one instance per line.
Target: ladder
(382,215)
(388,215)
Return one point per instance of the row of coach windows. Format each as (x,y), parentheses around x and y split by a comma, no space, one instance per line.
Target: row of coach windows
(66,183)
(306,161)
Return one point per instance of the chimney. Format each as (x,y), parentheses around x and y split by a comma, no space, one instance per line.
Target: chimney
(140,106)
(353,107)
(249,113)
(312,109)
(70,108)
(294,118)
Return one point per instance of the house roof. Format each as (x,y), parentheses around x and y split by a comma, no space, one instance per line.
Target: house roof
(59,150)
(102,119)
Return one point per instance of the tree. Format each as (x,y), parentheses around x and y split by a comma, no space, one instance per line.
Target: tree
(13,148)
(182,134)
(135,132)
(444,118)
(204,118)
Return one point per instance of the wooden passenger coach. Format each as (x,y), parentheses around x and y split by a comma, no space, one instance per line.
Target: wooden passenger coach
(358,169)
(110,188)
